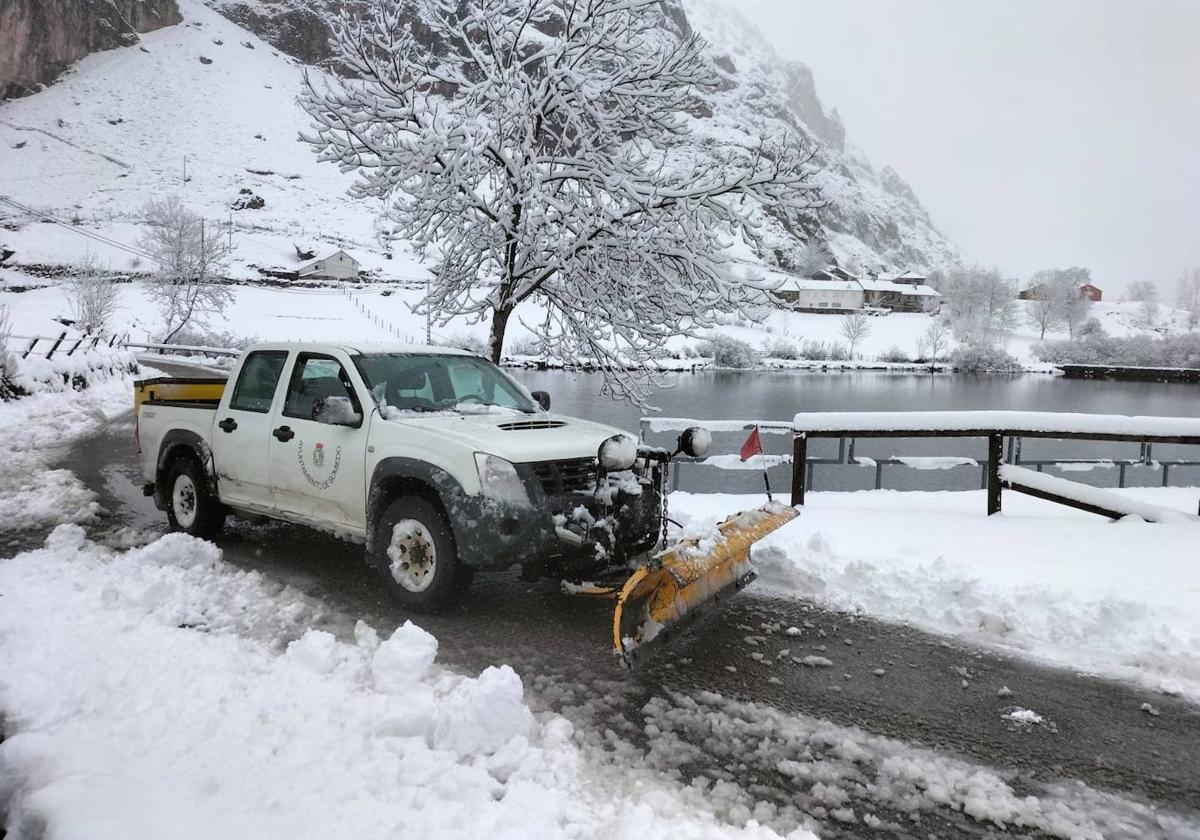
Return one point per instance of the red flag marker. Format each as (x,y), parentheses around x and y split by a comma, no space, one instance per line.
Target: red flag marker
(752,446)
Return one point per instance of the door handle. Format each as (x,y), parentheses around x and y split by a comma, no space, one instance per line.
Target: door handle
(284,433)
(227,425)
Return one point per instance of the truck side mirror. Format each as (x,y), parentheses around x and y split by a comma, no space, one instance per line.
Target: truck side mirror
(542,398)
(336,411)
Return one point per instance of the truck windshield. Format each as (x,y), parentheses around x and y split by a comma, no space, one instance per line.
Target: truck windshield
(420,382)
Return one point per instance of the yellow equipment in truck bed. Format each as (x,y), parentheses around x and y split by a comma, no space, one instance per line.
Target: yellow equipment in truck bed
(177,390)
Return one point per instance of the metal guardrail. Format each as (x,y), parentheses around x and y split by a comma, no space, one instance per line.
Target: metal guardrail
(1010,452)
(87,342)
(225,352)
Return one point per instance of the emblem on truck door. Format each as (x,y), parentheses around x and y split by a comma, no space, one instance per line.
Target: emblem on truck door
(315,476)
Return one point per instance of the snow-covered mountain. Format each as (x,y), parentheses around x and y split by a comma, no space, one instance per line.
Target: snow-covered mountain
(208,97)
(872,217)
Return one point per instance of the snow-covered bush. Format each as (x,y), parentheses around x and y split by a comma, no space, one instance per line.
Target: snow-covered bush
(76,372)
(465,341)
(729,352)
(1138,350)
(8,362)
(222,339)
(839,352)
(984,359)
(524,347)
(93,295)
(1090,328)
(894,355)
(814,351)
(781,348)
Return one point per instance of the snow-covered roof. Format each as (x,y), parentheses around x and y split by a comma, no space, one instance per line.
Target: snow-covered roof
(362,348)
(313,262)
(808,284)
(881,285)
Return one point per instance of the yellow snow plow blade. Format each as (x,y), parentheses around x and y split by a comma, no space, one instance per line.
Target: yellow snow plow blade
(690,575)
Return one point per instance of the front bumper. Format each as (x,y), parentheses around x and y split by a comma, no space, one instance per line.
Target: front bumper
(560,534)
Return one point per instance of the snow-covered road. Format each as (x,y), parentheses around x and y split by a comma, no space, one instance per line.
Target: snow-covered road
(834,746)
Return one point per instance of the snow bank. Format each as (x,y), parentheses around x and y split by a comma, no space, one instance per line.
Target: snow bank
(1070,588)
(32,494)
(159,693)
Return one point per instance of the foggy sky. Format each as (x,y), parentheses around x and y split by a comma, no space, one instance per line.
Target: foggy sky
(1038,133)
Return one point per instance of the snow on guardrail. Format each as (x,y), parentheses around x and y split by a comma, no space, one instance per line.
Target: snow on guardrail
(1005,422)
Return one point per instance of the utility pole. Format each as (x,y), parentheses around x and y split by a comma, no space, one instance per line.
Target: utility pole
(185,170)
(230,230)
(428,315)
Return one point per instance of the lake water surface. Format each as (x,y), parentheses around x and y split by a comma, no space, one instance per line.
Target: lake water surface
(777,395)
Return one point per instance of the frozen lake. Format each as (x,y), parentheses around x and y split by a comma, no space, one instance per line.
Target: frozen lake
(777,395)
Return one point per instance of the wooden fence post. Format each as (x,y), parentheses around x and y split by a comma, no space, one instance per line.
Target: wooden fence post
(799,464)
(995,457)
(55,347)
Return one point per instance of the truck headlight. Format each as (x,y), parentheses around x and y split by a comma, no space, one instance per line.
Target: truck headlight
(498,479)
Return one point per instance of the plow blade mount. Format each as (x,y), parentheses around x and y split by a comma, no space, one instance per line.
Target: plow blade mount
(690,575)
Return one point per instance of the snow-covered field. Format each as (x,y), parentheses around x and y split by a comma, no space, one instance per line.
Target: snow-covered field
(1072,589)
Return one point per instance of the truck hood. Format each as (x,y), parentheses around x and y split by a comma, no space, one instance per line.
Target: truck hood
(519,438)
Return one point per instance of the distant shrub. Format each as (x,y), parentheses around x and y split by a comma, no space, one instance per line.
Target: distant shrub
(213,338)
(814,351)
(524,347)
(730,352)
(1135,351)
(1090,328)
(781,348)
(895,355)
(982,359)
(470,343)
(839,352)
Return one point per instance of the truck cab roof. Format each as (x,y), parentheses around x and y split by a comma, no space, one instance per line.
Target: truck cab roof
(362,348)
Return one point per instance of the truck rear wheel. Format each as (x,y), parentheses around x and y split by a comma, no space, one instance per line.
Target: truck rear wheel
(191,506)
(414,551)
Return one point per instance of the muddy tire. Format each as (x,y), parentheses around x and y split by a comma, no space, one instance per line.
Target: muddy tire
(191,506)
(413,549)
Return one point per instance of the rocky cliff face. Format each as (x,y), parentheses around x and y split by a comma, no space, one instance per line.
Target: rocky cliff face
(871,219)
(42,38)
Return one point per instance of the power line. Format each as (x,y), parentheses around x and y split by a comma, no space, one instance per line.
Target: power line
(97,237)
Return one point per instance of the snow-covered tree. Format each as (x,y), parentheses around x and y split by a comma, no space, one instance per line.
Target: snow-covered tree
(1188,296)
(187,284)
(534,149)
(8,363)
(979,304)
(1145,294)
(855,327)
(936,339)
(93,296)
(1055,299)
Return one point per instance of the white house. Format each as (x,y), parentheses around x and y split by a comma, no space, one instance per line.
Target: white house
(817,294)
(336,266)
(905,292)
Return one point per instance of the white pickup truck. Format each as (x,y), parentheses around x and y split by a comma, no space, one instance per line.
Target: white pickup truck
(435,458)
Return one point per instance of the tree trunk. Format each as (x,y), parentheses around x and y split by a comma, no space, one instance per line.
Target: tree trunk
(496,338)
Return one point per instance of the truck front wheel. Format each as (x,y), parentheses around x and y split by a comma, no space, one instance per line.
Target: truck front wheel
(191,506)
(414,551)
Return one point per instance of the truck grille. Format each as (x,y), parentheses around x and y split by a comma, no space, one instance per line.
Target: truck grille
(573,475)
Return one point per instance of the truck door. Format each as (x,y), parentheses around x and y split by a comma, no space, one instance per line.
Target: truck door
(318,445)
(243,429)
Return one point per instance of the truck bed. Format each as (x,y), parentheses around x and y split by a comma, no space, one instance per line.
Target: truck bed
(179,392)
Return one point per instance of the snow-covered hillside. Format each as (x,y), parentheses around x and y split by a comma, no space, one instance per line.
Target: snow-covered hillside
(123,126)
